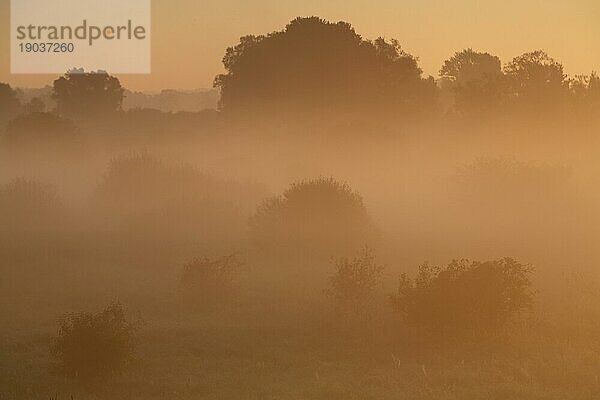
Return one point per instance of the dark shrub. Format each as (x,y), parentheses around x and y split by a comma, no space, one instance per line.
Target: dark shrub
(94,347)
(321,216)
(354,286)
(465,296)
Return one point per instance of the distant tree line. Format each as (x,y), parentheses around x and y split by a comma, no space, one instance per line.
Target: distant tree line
(317,69)
(317,65)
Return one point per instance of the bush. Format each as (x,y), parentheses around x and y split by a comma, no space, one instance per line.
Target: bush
(465,296)
(353,286)
(155,200)
(92,347)
(318,215)
(206,281)
(142,182)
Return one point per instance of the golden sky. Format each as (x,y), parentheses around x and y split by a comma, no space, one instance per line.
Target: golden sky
(189,37)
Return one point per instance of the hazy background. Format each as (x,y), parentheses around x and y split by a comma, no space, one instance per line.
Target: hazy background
(290,233)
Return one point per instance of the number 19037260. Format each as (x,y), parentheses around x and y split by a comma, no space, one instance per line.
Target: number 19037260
(46,47)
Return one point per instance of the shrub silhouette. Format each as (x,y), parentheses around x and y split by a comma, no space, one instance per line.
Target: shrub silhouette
(207,282)
(93,347)
(354,285)
(155,199)
(464,297)
(316,216)
(142,182)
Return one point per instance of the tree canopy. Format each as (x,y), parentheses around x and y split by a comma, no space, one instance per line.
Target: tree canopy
(82,94)
(315,66)
(475,78)
(536,80)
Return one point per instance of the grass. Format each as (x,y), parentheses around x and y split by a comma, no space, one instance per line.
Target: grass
(236,356)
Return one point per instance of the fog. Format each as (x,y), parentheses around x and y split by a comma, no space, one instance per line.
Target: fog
(257,248)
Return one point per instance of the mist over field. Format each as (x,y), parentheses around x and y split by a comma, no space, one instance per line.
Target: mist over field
(327,222)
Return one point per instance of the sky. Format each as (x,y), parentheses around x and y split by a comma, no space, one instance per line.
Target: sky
(189,37)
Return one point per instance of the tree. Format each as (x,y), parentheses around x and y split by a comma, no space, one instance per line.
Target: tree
(9,103)
(465,297)
(354,285)
(84,95)
(317,216)
(317,67)
(92,347)
(475,79)
(536,81)
(585,92)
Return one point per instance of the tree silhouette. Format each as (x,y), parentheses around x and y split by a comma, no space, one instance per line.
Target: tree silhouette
(9,103)
(475,79)
(585,92)
(315,67)
(84,95)
(536,81)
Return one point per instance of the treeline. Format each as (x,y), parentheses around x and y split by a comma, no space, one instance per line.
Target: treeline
(324,68)
(315,69)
